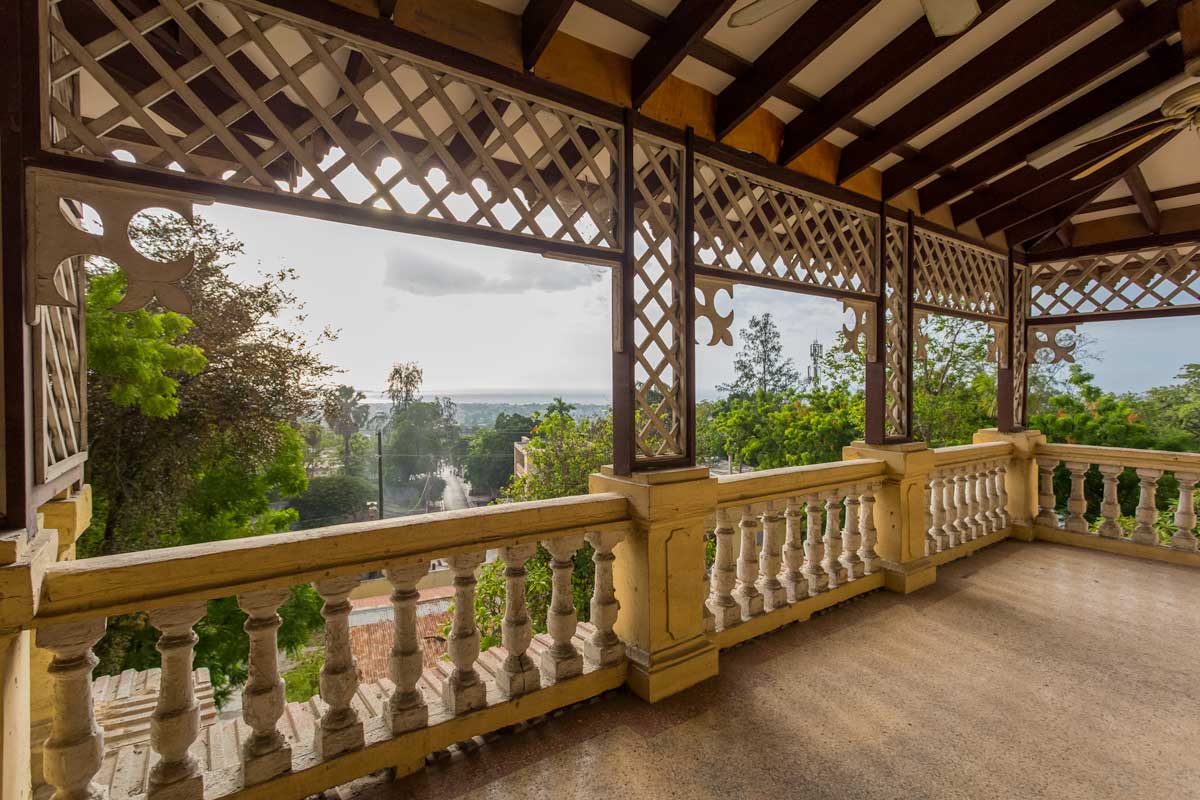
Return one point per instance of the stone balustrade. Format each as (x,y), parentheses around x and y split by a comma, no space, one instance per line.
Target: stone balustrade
(469,694)
(966,497)
(805,539)
(1163,483)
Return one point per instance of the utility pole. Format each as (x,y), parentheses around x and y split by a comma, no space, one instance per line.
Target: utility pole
(379,466)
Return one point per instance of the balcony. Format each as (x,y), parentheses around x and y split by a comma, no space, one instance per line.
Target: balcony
(1020,670)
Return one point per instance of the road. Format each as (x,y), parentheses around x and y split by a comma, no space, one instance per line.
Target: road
(455,495)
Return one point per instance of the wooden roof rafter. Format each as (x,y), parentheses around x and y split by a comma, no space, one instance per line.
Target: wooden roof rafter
(688,23)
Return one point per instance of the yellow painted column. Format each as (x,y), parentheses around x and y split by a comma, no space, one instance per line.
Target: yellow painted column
(1021,480)
(900,512)
(659,578)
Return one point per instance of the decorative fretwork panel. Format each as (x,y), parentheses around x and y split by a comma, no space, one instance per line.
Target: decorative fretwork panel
(1168,277)
(955,277)
(229,92)
(659,329)
(746,224)
(896,354)
(60,377)
(1020,348)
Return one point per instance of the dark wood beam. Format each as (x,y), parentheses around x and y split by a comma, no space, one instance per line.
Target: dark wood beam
(1128,86)
(686,26)
(795,49)
(1065,233)
(1162,194)
(1034,230)
(1028,179)
(892,64)
(1128,245)
(1136,182)
(1092,61)
(1032,39)
(387,8)
(1189,29)
(1066,192)
(538,24)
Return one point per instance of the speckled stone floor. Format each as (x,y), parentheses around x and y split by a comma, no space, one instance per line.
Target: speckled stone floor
(1027,671)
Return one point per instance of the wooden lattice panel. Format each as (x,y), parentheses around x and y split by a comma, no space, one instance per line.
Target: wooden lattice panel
(1020,349)
(60,379)
(955,277)
(1167,277)
(749,225)
(896,359)
(229,92)
(659,328)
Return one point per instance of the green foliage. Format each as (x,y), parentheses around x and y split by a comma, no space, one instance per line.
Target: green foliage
(760,366)
(134,356)
(489,460)
(419,437)
(561,455)
(345,413)
(954,386)
(332,499)
(303,681)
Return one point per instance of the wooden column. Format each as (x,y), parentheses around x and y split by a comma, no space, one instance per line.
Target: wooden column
(1005,423)
(624,440)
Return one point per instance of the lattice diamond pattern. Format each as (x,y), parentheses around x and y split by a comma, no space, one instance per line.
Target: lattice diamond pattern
(955,277)
(60,378)
(659,335)
(745,224)
(896,360)
(1020,351)
(1168,277)
(225,91)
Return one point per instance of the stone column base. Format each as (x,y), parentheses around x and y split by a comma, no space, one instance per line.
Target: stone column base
(672,670)
(908,577)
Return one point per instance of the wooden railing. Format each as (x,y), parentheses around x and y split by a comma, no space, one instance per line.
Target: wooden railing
(805,540)
(356,731)
(1114,464)
(966,497)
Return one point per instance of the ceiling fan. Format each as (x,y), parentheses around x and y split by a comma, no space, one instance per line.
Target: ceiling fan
(946,17)
(1179,110)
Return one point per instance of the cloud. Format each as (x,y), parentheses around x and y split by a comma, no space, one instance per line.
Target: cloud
(432,276)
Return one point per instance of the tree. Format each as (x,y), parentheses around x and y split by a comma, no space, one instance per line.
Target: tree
(489,459)
(760,365)
(189,429)
(332,499)
(559,406)
(345,412)
(954,386)
(404,383)
(419,437)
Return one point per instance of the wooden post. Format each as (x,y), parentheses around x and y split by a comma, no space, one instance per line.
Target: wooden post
(1004,369)
(624,444)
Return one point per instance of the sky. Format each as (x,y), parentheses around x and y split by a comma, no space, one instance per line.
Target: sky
(485,321)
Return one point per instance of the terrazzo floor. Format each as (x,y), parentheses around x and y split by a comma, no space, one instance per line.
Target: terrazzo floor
(1027,671)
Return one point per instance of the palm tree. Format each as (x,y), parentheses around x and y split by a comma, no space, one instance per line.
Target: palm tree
(345,413)
(559,406)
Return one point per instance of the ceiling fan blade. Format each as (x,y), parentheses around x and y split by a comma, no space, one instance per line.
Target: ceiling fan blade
(757,11)
(1124,129)
(1123,151)
(950,17)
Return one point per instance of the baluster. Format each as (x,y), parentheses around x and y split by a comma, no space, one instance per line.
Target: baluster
(720,601)
(794,581)
(339,730)
(265,753)
(462,690)
(833,542)
(1185,515)
(956,507)
(73,752)
(1002,515)
(405,663)
(746,593)
(988,522)
(1077,502)
(1110,509)
(561,660)
(518,674)
(1147,510)
(175,723)
(951,510)
(867,553)
(850,560)
(814,549)
(937,531)
(604,647)
(1046,515)
(970,503)
(930,542)
(768,585)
